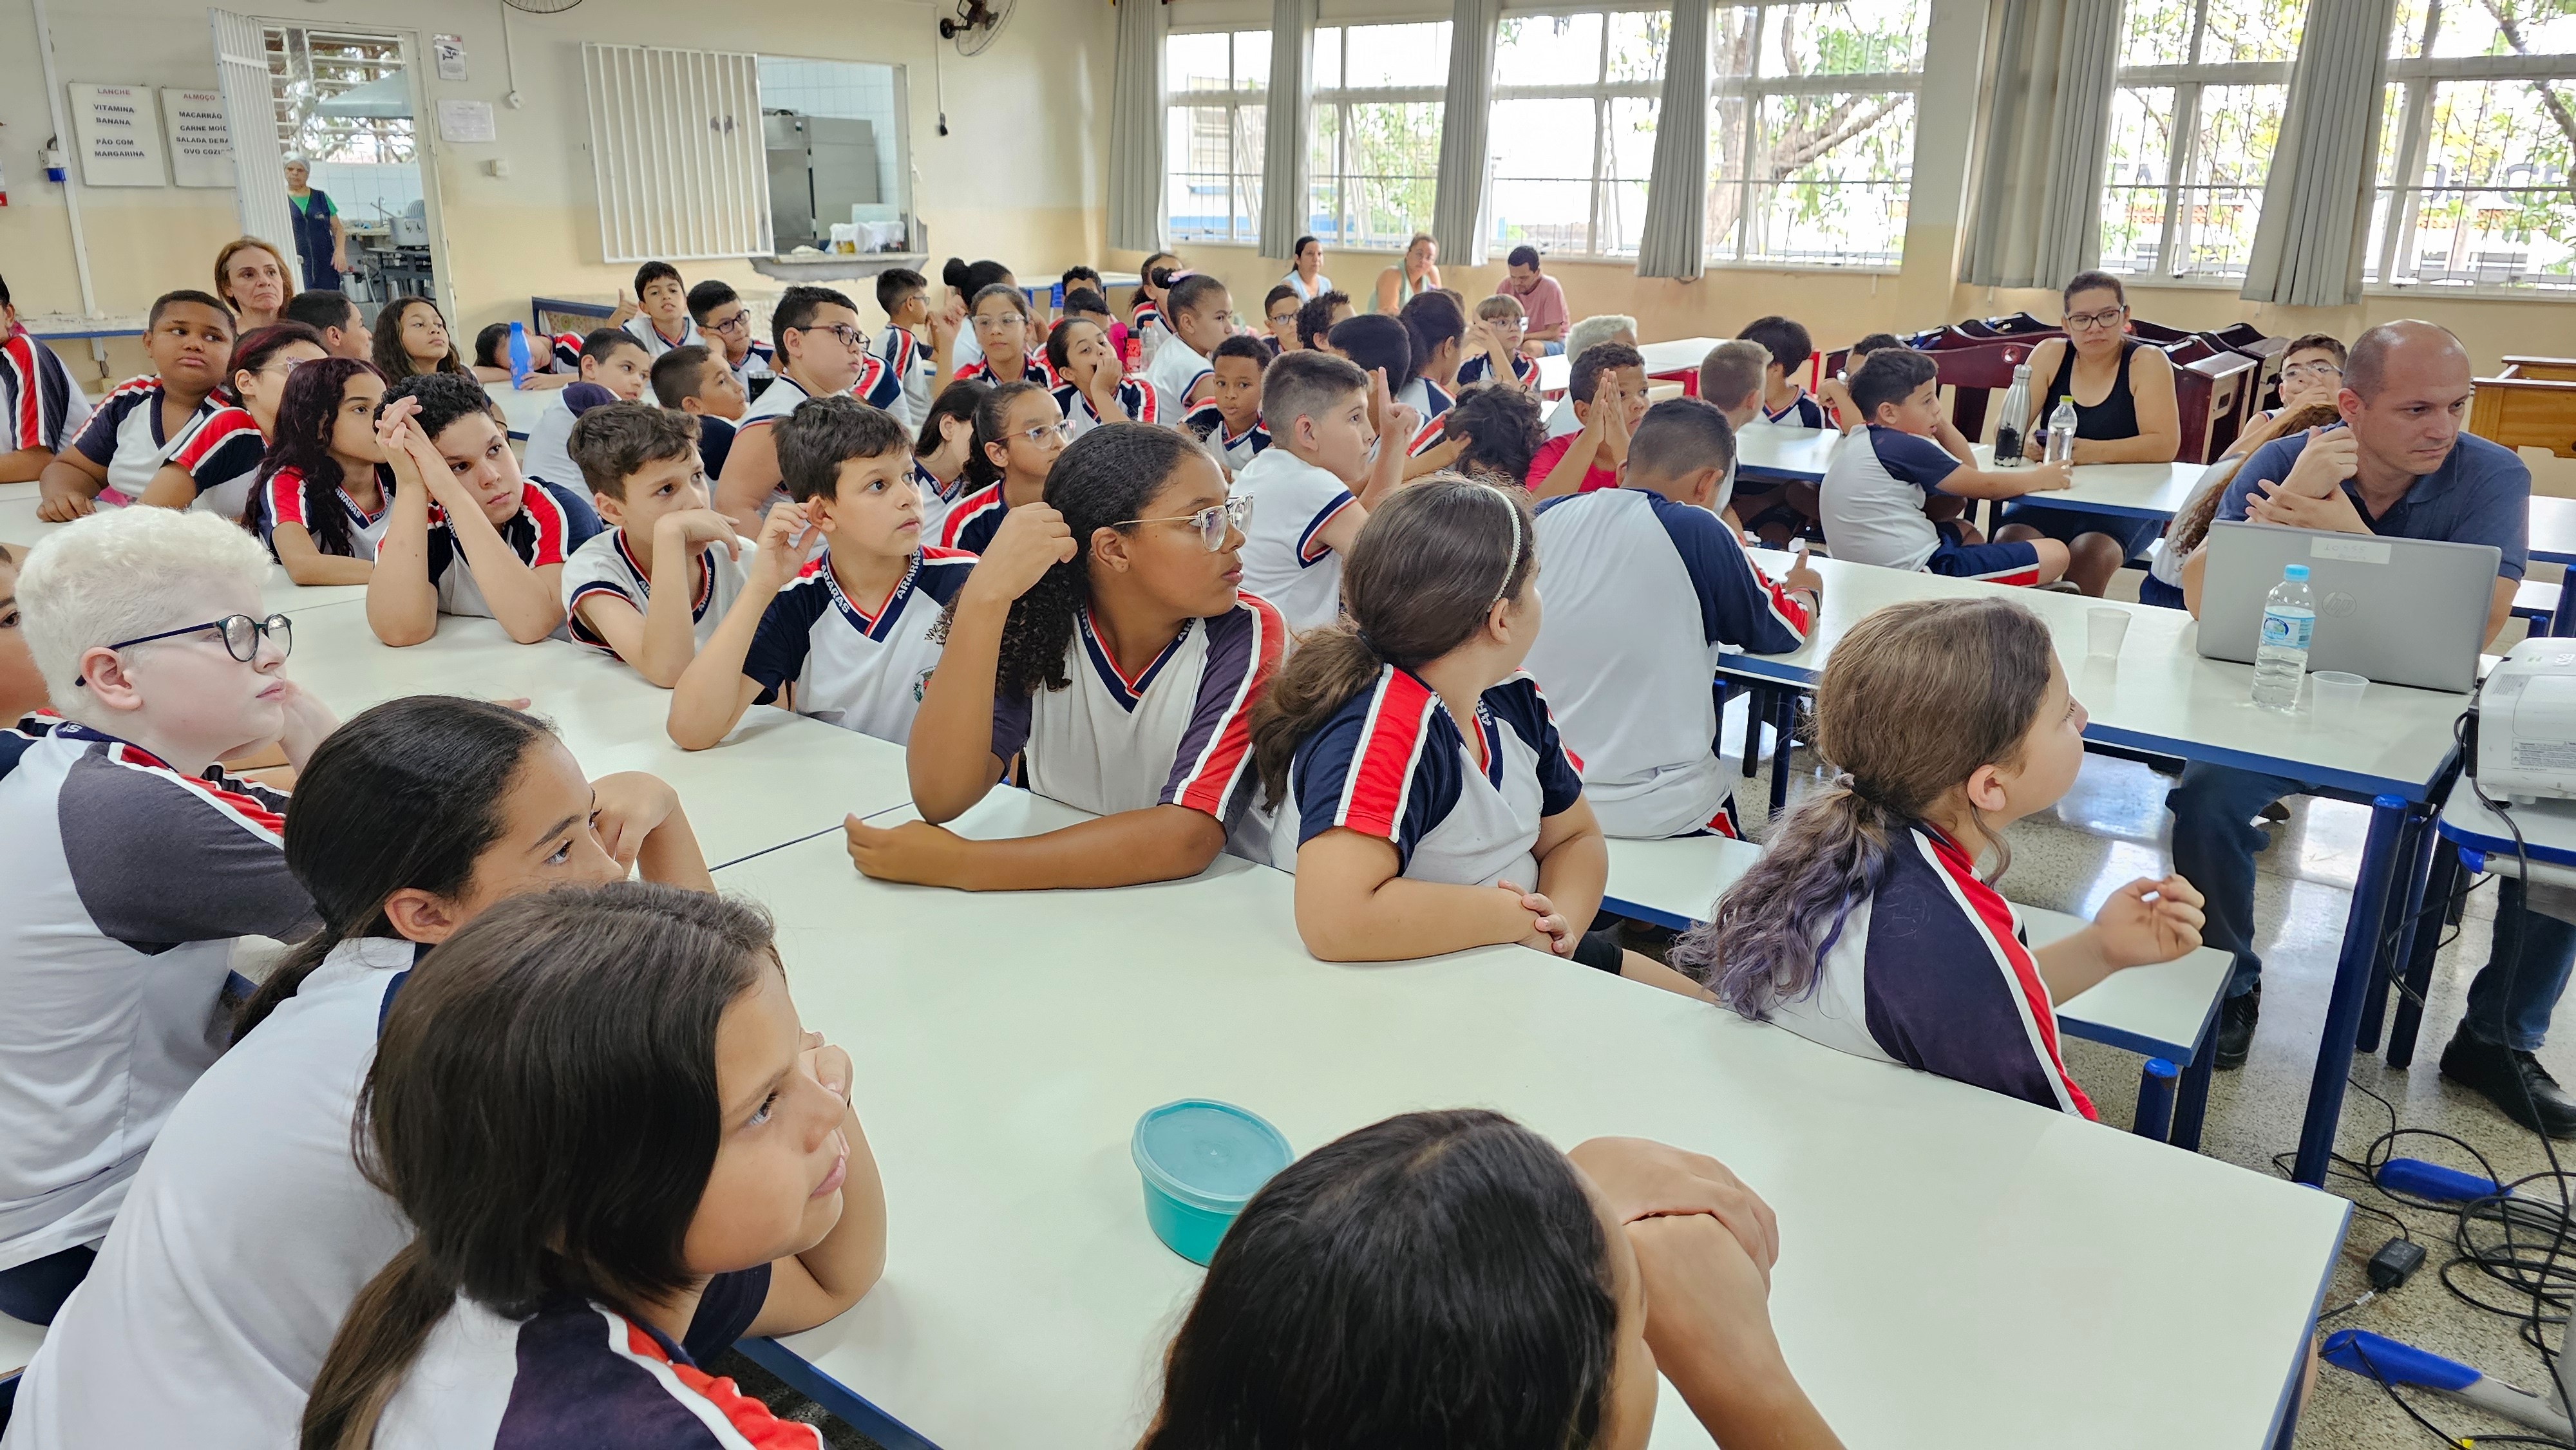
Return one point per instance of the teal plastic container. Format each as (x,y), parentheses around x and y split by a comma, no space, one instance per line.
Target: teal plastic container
(1202,1161)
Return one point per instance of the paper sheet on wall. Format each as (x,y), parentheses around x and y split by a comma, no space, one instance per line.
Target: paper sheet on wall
(466,121)
(450,51)
(201,140)
(119,135)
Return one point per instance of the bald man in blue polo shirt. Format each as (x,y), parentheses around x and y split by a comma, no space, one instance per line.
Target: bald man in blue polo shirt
(2400,464)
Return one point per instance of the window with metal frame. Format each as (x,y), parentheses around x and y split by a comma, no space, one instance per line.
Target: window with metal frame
(2477,143)
(2202,85)
(1573,132)
(1374,160)
(1213,110)
(1811,131)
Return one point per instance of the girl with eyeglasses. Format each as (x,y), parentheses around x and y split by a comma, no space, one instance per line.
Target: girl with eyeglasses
(1019,434)
(133,864)
(1101,641)
(1420,790)
(2124,413)
(999,318)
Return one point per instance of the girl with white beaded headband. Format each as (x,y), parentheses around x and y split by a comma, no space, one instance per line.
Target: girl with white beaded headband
(1423,797)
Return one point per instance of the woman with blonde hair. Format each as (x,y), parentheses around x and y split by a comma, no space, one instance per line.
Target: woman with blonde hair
(1417,272)
(254,280)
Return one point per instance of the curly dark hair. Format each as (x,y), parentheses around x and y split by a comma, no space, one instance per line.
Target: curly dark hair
(1499,424)
(1107,477)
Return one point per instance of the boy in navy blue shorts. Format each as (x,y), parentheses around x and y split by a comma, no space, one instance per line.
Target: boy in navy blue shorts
(1881,478)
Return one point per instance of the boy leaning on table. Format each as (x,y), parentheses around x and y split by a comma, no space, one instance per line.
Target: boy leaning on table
(2399,465)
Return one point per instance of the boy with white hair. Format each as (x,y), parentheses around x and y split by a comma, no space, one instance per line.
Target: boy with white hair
(1604,327)
(133,861)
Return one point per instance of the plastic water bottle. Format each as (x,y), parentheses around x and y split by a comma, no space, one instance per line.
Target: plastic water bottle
(518,354)
(2008,434)
(2289,623)
(2061,432)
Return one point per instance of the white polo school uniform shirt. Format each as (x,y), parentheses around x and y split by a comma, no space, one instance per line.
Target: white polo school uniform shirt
(607,566)
(1284,557)
(861,670)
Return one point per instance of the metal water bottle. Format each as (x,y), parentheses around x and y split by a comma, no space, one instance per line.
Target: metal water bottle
(2008,432)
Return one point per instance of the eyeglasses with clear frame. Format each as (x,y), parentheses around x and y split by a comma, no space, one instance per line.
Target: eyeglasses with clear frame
(1212,522)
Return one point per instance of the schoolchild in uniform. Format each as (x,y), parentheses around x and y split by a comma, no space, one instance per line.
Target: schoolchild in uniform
(207,1324)
(1645,582)
(41,408)
(321,502)
(847,637)
(1018,436)
(1101,641)
(133,862)
(1879,481)
(820,352)
(725,324)
(695,381)
(1451,1278)
(967,281)
(1869,924)
(412,337)
(1279,318)
(917,367)
(662,320)
(650,487)
(999,316)
(1091,389)
(1319,316)
(943,454)
(1229,422)
(1493,345)
(1200,313)
(148,421)
(212,468)
(611,358)
(1311,491)
(1150,302)
(1606,386)
(622,1065)
(328,311)
(468,535)
(1421,792)
(1783,401)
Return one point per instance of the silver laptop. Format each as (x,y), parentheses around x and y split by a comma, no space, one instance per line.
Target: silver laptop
(2395,611)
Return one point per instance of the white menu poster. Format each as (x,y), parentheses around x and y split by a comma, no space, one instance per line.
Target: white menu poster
(118,134)
(201,140)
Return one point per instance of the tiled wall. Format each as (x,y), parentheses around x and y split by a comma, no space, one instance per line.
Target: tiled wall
(858,90)
(356,188)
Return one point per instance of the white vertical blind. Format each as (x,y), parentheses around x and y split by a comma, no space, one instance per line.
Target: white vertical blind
(259,167)
(675,147)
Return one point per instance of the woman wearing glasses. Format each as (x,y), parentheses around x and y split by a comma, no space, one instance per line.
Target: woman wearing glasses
(1019,431)
(2124,413)
(999,318)
(133,865)
(1101,641)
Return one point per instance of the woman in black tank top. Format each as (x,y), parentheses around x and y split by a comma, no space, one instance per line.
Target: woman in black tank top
(2134,420)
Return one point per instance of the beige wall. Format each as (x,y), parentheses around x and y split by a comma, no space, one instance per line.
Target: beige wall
(1019,176)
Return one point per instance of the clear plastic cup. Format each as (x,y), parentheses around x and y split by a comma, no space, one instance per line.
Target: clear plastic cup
(2333,691)
(2104,630)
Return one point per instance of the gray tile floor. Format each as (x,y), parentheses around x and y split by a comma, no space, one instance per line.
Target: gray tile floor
(2112,828)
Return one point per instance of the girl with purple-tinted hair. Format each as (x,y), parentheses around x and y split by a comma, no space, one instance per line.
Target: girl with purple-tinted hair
(1868,925)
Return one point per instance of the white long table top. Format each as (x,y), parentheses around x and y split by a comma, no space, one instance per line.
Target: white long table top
(520,405)
(2160,1009)
(1669,358)
(2160,694)
(1958,1268)
(19,525)
(2553,529)
(779,777)
(1769,450)
(2548,836)
(2128,490)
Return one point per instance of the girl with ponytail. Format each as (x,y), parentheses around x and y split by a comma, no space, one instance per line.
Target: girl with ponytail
(620,1152)
(1868,925)
(1422,795)
(320,500)
(1103,642)
(248,1230)
(1019,434)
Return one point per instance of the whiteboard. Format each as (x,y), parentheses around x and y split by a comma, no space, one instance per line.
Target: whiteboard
(201,140)
(119,135)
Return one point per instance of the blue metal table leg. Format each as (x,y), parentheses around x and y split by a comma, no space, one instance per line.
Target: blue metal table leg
(2351,981)
(2423,940)
(2408,893)
(1784,719)
(2155,1100)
